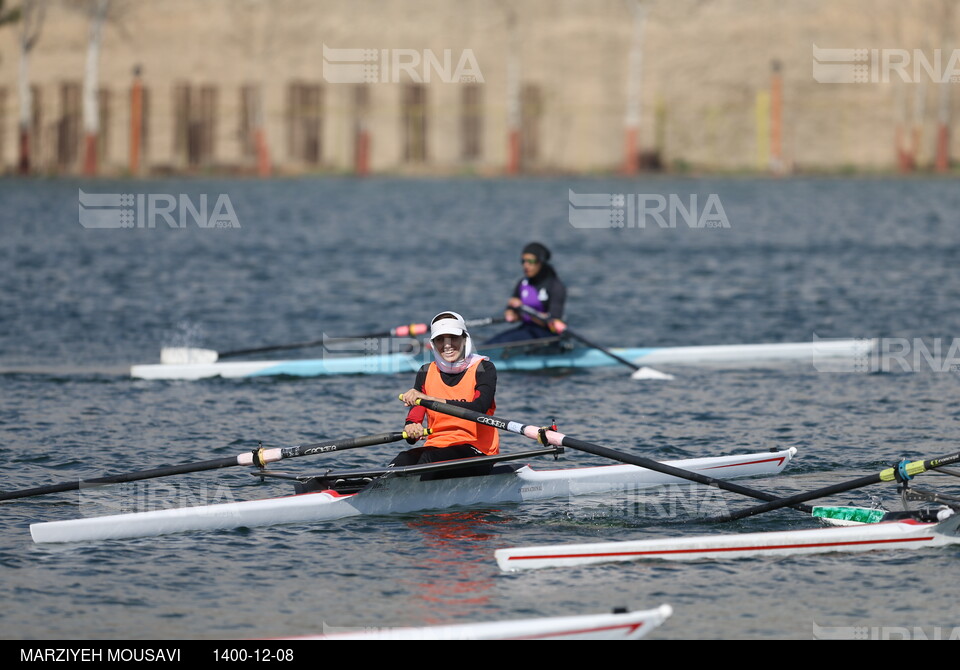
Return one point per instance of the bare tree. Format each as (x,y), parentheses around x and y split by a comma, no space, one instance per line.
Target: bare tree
(32,13)
(942,154)
(253,28)
(97,11)
(634,87)
(514,79)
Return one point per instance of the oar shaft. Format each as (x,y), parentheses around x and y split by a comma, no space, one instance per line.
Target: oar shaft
(620,359)
(593,345)
(890,474)
(313,343)
(790,501)
(561,440)
(408,330)
(257,457)
(120,479)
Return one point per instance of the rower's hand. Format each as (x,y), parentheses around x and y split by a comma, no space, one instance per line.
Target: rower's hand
(512,304)
(414,432)
(557,326)
(410,397)
(509,315)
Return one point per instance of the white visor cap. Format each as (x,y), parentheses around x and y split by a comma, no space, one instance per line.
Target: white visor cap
(451,324)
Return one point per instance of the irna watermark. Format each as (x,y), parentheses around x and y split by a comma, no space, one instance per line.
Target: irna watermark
(149,496)
(393,66)
(640,210)
(890,354)
(375,355)
(885,632)
(150,210)
(881,66)
(671,501)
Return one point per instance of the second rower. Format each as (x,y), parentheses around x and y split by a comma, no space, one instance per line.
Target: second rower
(540,290)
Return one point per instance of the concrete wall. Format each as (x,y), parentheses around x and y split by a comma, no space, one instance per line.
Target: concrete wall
(706,64)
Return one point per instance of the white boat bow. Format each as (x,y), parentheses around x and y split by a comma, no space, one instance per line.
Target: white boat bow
(616,626)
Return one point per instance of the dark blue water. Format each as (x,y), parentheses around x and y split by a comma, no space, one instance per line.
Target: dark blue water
(835,258)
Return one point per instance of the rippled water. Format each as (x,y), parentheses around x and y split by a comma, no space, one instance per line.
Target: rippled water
(843,258)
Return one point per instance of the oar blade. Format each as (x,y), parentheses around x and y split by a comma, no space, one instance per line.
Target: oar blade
(836,515)
(646,373)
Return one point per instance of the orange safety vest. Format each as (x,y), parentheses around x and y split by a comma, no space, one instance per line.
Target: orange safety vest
(449,430)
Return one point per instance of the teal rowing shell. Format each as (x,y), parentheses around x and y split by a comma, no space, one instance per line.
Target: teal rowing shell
(400,363)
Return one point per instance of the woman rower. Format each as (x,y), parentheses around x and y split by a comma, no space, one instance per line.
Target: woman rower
(540,290)
(457,376)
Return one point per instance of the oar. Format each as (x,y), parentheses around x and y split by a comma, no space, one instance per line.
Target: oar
(561,440)
(905,470)
(258,457)
(188,355)
(639,372)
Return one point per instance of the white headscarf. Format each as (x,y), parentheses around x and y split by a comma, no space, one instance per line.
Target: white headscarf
(453,324)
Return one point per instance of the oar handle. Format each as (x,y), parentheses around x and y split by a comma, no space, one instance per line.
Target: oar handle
(545,436)
(343,445)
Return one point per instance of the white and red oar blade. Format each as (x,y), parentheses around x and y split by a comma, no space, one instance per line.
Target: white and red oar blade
(650,373)
(187,356)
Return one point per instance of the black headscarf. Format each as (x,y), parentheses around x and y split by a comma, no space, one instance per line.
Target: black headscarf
(543,255)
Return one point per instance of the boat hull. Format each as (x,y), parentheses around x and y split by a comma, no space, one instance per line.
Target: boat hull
(617,626)
(866,537)
(398,495)
(735,355)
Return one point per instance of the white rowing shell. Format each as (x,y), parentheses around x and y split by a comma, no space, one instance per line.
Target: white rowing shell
(866,537)
(394,495)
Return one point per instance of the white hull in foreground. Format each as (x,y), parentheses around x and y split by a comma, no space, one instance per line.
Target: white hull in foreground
(866,537)
(402,494)
(617,626)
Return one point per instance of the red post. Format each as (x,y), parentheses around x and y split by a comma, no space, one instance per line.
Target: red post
(943,148)
(24,165)
(513,149)
(362,153)
(263,153)
(136,120)
(902,163)
(90,155)
(630,158)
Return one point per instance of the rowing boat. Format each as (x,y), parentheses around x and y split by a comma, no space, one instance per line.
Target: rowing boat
(736,355)
(907,534)
(402,490)
(615,626)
